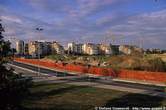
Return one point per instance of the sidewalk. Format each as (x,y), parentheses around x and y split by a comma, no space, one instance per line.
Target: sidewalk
(139,82)
(60,70)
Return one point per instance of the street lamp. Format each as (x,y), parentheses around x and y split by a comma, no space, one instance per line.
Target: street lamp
(39,30)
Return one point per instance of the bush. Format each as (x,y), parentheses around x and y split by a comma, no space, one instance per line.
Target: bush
(138,63)
(157,64)
(56,57)
(13,88)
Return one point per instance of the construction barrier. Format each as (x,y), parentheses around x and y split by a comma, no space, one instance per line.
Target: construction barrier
(70,67)
(143,75)
(125,74)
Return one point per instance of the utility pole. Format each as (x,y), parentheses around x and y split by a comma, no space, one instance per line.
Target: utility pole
(39,30)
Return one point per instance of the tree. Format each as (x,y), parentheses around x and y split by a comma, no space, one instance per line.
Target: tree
(13,87)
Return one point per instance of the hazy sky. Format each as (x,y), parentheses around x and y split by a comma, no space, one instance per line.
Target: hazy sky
(125,21)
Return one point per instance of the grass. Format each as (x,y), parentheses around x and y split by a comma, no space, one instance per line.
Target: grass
(69,97)
(162,56)
(56,57)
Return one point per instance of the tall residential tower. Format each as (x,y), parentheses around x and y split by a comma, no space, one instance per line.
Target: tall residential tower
(20,47)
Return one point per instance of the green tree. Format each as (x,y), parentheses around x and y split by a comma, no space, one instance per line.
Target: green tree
(13,87)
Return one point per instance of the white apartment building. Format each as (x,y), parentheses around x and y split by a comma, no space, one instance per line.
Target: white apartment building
(56,48)
(125,49)
(71,47)
(20,47)
(33,48)
(93,50)
(75,48)
(105,49)
(128,49)
(108,51)
(90,49)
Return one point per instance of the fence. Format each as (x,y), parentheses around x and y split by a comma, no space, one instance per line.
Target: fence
(125,74)
(70,67)
(143,75)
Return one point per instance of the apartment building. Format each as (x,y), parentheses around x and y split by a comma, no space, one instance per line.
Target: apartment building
(75,48)
(79,48)
(45,48)
(26,49)
(115,49)
(125,49)
(90,49)
(56,48)
(33,48)
(41,48)
(128,49)
(105,49)
(20,47)
(71,47)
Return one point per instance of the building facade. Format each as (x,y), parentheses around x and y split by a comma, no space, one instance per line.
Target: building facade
(105,49)
(20,47)
(56,48)
(26,49)
(115,49)
(128,49)
(90,49)
(74,48)
(33,48)
(42,48)
(125,49)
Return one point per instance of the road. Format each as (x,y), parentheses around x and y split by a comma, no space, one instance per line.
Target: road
(42,70)
(96,82)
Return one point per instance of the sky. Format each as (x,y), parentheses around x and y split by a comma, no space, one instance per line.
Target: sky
(134,22)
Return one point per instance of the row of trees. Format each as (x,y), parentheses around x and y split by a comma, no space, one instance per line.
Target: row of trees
(13,87)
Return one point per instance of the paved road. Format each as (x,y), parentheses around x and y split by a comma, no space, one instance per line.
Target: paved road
(90,79)
(68,78)
(42,70)
(92,82)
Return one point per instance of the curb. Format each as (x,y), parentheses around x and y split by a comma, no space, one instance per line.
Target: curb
(140,82)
